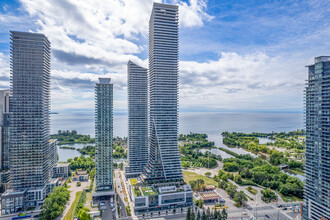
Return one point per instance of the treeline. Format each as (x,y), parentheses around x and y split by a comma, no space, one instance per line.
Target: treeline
(263,173)
(199,159)
(192,137)
(119,152)
(272,135)
(71,137)
(87,150)
(252,144)
(54,204)
(82,162)
(239,197)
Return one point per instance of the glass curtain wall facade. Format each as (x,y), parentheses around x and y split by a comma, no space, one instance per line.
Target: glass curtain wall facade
(137,92)
(30,111)
(4,123)
(104,134)
(164,163)
(317,166)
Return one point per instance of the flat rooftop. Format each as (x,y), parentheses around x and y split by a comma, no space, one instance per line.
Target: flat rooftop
(62,164)
(148,191)
(210,195)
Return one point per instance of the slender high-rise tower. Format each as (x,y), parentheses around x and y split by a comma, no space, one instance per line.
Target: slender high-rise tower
(317,166)
(4,126)
(104,135)
(30,111)
(137,92)
(164,162)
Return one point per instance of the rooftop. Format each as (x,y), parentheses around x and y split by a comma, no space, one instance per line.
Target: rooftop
(148,191)
(210,195)
(62,164)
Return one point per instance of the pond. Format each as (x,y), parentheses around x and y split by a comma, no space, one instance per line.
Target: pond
(300,176)
(217,139)
(265,140)
(65,154)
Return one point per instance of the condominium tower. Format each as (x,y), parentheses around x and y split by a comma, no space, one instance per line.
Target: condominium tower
(164,164)
(30,152)
(4,129)
(30,118)
(317,166)
(137,92)
(104,134)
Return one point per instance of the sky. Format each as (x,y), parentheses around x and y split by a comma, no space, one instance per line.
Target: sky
(242,56)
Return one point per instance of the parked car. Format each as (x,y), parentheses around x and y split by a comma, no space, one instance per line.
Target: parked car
(285,208)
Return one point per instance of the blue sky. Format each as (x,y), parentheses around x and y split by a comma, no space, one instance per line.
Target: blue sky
(234,55)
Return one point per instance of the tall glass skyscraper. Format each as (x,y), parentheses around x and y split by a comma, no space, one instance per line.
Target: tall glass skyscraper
(104,134)
(137,92)
(164,162)
(317,166)
(30,111)
(4,126)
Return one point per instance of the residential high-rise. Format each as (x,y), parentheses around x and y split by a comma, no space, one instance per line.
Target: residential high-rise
(4,138)
(137,92)
(161,184)
(30,162)
(104,135)
(164,163)
(317,166)
(4,126)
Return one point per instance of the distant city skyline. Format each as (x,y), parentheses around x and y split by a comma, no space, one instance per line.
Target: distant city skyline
(249,54)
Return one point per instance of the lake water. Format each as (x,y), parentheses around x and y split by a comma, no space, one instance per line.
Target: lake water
(213,124)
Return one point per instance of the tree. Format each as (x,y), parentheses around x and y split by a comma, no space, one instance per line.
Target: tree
(238,179)
(208,174)
(54,204)
(231,190)
(240,198)
(192,215)
(83,215)
(121,165)
(188,214)
(185,164)
(198,215)
(224,214)
(230,166)
(204,216)
(268,195)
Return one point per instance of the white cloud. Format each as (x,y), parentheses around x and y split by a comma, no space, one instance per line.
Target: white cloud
(252,81)
(193,14)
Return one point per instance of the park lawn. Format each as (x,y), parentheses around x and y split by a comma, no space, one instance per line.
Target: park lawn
(252,191)
(189,176)
(290,198)
(70,214)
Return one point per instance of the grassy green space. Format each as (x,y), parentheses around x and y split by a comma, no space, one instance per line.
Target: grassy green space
(137,191)
(133,182)
(292,198)
(189,176)
(148,191)
(252,191)
(72,209)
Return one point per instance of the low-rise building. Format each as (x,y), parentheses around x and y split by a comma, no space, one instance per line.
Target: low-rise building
(61,170)
(211,196)
(153,197)
(12,201)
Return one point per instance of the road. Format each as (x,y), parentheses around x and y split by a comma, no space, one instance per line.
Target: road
(107,213)
(73,190)
(120,189)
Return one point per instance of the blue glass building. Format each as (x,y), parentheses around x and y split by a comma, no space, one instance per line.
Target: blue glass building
(317,166)
(104,135)
(137,93)
(164,162)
